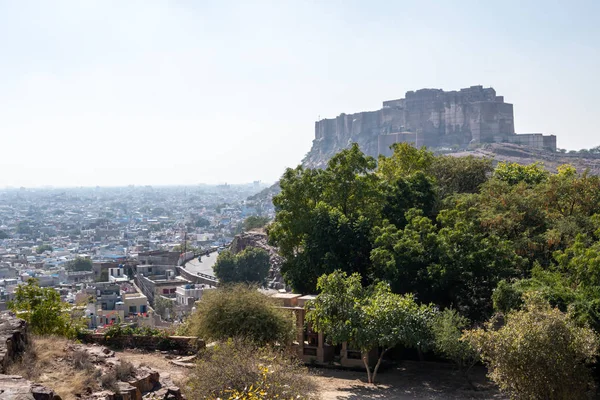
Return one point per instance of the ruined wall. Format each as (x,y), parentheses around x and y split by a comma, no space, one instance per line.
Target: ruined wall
(181,344)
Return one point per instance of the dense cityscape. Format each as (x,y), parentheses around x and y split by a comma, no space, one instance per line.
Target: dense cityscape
(87,241)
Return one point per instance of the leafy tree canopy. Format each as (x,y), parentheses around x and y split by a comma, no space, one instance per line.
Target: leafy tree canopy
(254,222)
(79,264)
(251,265)
(43,248)
(367,318)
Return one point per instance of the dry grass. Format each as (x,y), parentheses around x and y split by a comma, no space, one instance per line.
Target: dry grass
(45,361)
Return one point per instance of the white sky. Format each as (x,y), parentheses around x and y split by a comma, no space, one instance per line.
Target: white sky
(182,92)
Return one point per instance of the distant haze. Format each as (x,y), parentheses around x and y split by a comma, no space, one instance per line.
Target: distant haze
(181,92)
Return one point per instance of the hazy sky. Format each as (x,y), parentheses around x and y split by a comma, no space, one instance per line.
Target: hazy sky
(181,92)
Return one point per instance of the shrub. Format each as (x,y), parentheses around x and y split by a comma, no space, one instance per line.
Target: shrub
(124,370)
(238,369)
(447,328)
(242,312)
(81,360)
(44,311)
(109,381)
(540,352)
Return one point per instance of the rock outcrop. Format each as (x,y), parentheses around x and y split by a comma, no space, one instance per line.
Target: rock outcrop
(14,387)
(99,362)
(258,238)
(13,339)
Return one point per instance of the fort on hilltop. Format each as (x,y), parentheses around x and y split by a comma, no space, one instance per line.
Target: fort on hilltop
(427,117)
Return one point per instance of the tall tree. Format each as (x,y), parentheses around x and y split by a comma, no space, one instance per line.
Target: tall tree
(324,218)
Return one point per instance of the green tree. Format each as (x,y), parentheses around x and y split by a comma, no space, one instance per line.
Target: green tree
(164,307)
(405,160)
(3,235)
(43,310)
(460,174)
(540,353)
(242,312)
(254,222)
(367,318)
(79,264)
(324,218)
(416,191)
(251,265)
(450,264)
(43,248)
(202,222)
(447,328)
(24,228)
(514,173)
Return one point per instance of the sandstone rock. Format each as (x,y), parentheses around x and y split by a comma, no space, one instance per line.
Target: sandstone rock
(13,339)
(14,387)
(127,392)
(145,380)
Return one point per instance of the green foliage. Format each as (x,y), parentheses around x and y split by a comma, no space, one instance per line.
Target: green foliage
(506,297)
(449,264)
(406,159)
(116,331)
(3,235)
(79,264)
(540,353)
(44,311)
(241,370)
(23,228)
(324,218)
(202,222)
(514,173)
(367,318)
(447,229)
(254,222)
(460,174)
(43,248)
(162,304)
(447,328)
(242,312)
(251,265)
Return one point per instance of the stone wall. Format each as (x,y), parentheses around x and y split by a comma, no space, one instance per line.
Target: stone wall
(179,344)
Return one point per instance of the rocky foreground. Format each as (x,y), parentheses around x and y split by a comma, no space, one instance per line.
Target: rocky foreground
(77,370)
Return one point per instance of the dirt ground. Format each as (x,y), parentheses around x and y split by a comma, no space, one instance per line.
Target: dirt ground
(157,361)
(409,380)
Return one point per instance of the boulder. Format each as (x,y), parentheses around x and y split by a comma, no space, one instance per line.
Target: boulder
(14,387)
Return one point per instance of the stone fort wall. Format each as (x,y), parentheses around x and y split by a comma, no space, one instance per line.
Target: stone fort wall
(431,117)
